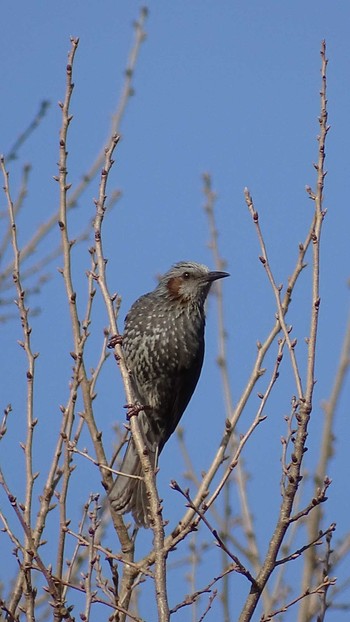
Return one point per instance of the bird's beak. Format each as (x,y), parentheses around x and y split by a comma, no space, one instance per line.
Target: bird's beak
(213,276)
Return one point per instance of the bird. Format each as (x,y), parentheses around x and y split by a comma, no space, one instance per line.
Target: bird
(163,345)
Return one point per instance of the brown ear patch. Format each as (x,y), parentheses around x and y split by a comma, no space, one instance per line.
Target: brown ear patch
(174,285)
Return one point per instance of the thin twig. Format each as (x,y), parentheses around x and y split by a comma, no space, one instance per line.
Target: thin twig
(71,295)
(82,541)
(316,590)
(6,528)
(305,399)
(302,549)
(277,293)
(72,448)
(89,175)
(240,475)
(326,450)
(208,607)
(317,197)
(13,152)
(191,598)
(16,207)
(259,418)
(31,421)
(32,553)
(148,473)
(239,566)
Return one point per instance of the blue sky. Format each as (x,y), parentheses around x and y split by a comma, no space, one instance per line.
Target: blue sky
(225,87)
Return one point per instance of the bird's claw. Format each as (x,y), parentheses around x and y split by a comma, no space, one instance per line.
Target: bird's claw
(135,409)
(114,341)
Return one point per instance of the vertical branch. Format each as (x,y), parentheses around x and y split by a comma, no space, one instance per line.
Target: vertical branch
(126,542)
(127,92)
(79,336)
(241,478)
(31,421)
(15,209)
(63,189)
(311,563)
(79,330)
(319,214)
(330,407)
(68,419)
(92,559)
(71,295)
(148,473)
(305,399)
(226,528)
(220,264)
(277,293)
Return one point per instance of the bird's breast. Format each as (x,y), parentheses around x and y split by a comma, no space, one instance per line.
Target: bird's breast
(161,339)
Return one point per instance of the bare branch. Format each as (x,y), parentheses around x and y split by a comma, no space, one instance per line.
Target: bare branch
(304,548)
(31,421)
(148,473)
(13,152)
(316,590)
(294,471)
(88,177)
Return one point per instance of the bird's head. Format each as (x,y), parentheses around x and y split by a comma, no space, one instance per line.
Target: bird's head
(188,282)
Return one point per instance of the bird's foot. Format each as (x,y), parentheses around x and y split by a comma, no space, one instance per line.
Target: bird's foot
(114,341)
(135,409)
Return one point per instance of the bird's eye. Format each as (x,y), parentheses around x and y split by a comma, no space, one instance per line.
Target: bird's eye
(186,275)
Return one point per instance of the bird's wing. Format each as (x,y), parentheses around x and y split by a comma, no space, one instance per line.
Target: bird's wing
(184,384)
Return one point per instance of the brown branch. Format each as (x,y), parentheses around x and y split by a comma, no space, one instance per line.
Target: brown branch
(239,566)
(318,498)
(31,421)
(15,208)
(100,277)
(220,264)
(79,339)
(7,529)
(326,450)
(13,152)
(316,590)
(82,541)
(191,598)
(95,599)
(311,562)
(259,418)
(294,471)
(306,547)
(31,553)
(277,293)
(88,177)
(80,329)
(92,560)
(148,473)
(327,565)
(74,560)
(72,448)
(241,478)
(9,615)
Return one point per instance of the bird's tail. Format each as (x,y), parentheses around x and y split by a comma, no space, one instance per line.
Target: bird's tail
(128,494)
